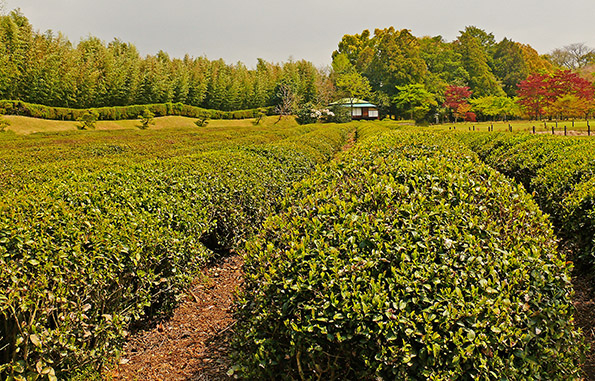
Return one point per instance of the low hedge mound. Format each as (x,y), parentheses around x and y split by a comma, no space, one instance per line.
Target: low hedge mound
(407,259)
(557,170)
(14,107)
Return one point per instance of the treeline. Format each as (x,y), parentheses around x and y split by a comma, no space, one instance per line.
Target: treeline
(412,77)
(407,76)
(46,68)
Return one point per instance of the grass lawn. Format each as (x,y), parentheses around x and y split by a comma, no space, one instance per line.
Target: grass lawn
(23,125)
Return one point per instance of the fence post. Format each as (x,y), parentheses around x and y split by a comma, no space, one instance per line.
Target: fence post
(533,130)
(564,130)
(552,129)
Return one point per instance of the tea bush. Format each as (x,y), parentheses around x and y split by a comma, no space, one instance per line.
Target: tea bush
(83,254)
(406,259)
(557,170)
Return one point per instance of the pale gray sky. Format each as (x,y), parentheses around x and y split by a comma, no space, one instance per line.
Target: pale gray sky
(304,29)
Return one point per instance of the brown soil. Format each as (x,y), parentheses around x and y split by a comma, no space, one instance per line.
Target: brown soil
(194,343)
(584,316)
(351,139)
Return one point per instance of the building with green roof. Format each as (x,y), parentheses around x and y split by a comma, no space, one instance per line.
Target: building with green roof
(360,109)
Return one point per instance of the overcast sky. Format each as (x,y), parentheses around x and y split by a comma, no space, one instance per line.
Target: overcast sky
(244,30)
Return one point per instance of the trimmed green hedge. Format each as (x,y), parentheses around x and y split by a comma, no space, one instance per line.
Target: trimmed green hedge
(557,170)
(12,107)
(407,259)
(87,253)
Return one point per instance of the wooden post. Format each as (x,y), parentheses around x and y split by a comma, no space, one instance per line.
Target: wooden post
(564,130)
(588,128)
(474,127)
(544,124)
(533,130)
(573,124)
(552,129)
(492,127)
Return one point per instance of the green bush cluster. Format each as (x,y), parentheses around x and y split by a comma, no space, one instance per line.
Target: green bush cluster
(124,112)
(557,170)
(85,253)
(407,258)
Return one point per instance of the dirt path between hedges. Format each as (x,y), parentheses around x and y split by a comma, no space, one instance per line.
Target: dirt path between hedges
(194,343)
(584,317)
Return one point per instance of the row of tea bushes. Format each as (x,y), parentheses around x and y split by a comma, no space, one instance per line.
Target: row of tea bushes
(33,159)
(14,107)
(558,170)
(408,258)
(85,254)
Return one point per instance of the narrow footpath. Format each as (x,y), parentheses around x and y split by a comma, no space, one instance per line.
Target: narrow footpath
(194,343)
(584,317)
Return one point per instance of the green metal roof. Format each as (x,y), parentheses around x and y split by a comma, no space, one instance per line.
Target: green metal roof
(353,102)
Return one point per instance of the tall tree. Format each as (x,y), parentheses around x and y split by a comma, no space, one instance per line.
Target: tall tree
(397,61)
(475,61)
(509,65)
(414,100)
(572,57)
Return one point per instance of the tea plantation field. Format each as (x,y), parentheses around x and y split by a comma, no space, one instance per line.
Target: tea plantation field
(403,257)
(98,229)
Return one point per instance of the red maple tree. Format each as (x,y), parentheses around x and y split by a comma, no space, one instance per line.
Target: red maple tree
(539,94)
(456,100)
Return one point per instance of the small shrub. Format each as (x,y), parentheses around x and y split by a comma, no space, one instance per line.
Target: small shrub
(202,122)
(146,119)
(259,118)
(3,124)
(87,120)
(342,114)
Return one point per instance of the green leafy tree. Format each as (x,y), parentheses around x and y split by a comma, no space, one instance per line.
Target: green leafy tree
(88,120)
(3,124)
(396,60)
(475,61)
(493,107)
(414,100)
(509,65)
(146,119)
(353,85)
(444,65)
